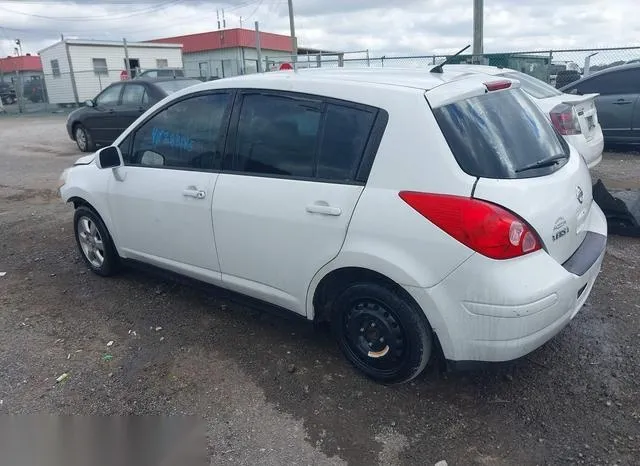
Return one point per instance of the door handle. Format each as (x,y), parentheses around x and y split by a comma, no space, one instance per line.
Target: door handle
(622,102)
(194,192)
(323,208)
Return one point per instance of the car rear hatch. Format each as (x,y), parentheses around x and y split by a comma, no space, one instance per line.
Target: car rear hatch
(520,161)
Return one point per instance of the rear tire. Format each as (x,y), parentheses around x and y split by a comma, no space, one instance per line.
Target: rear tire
(83,138)
(381,332)
(95,243)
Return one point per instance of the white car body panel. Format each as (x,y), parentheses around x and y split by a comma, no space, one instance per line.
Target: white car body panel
(158,218)
(557,214)
(261,236)
(267,226)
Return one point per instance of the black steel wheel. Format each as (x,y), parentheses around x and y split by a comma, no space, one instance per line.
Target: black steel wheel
(382,332)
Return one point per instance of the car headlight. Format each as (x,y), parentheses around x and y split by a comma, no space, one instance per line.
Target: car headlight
(63,178)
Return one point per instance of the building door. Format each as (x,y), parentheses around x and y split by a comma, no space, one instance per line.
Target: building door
(204,69)
(134,66)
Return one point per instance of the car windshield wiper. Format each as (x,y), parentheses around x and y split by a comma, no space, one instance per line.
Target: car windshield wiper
(543,163)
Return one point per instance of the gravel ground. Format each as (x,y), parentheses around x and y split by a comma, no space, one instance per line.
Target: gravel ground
(272,390)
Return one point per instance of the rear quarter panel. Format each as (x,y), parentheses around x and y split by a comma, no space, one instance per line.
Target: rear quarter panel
(385,234)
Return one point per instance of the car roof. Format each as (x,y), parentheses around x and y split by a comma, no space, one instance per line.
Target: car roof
(162,79)
(613,69)
(418,78)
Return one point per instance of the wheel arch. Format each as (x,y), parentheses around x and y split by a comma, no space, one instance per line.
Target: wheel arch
(74,126)
(78,200)
(336,280)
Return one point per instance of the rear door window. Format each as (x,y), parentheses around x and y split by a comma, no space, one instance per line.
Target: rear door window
(346,132)
(499,135)
(301,136)
(277,135)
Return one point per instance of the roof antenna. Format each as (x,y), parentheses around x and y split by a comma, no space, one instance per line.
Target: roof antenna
(438,68)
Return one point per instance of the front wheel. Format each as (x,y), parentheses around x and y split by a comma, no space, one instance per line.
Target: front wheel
(83,138)
(382,332)
(94,242)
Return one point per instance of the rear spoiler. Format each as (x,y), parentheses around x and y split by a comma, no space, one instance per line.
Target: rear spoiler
(580,99)
(467,86)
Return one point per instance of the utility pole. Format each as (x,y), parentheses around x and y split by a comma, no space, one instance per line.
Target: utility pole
(478,20)
(127,64)
(294,40)
(258,48)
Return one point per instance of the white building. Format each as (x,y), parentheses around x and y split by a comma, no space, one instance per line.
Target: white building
(229,52)
(77,70)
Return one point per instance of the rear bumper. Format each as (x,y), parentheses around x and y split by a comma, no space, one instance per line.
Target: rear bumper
(494,311)
(590,150)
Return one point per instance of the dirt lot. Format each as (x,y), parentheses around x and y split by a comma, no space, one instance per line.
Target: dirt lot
(273,391)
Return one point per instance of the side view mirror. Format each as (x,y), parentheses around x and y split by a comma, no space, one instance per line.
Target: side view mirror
(89,103)
(109,157)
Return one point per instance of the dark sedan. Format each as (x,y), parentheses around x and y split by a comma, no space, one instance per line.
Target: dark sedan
(104,118)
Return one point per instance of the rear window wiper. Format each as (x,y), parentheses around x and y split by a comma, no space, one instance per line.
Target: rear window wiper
(543,163)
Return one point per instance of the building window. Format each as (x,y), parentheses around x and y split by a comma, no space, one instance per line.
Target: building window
(55,68)
(100,66)
(162,63)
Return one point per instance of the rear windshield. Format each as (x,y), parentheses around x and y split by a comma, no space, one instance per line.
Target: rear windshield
(500,135)
(175,86)
(533,86)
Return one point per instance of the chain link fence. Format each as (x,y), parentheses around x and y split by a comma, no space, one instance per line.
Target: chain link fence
(545,65)
(557,67)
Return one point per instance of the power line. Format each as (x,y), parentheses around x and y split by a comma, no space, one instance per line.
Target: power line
(151,9)
(254,10)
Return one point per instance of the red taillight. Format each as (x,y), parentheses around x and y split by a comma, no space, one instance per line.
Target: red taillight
(497,85)
(484,227)
(564,119)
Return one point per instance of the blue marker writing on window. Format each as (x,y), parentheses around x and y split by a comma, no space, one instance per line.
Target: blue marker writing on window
(171,139)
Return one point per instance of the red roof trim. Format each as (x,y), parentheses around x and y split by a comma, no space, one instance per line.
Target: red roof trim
(228,38)
(24,63)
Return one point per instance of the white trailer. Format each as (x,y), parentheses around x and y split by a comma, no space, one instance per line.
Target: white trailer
(78,70)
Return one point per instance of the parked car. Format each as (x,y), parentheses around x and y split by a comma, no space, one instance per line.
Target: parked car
(104,118)
(161,73)
(618,101)
(575,118)
(7,93)
(421,214)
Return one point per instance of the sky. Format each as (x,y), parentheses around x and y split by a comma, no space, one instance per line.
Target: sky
(384,27)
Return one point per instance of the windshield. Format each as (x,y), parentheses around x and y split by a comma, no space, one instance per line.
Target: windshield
(498,134)
(174,86)
(533,86)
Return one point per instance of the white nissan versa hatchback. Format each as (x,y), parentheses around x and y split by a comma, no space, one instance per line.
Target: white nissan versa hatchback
(423,215)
